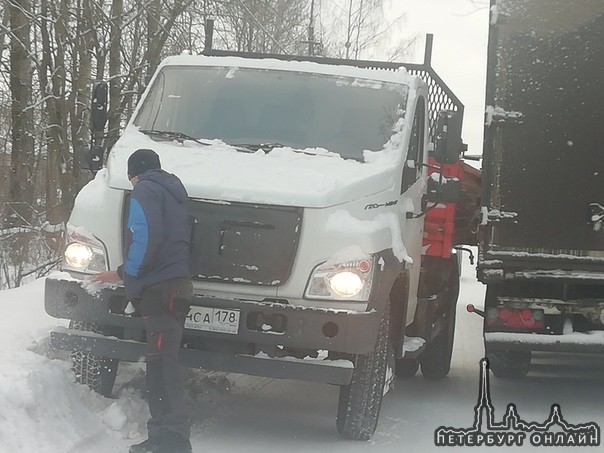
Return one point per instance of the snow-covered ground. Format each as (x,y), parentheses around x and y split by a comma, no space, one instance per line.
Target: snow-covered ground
(43,411)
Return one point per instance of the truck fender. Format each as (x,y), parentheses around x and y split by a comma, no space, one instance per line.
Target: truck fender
(399,297)
(392,285)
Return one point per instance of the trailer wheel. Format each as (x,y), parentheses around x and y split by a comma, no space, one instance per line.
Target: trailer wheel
(509,364)
(96,372)
(360,401)
(435,361)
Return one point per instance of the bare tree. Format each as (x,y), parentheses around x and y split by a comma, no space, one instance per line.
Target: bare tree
(358,28)
(87,15)
(21,188)
(52,77)
(276,26)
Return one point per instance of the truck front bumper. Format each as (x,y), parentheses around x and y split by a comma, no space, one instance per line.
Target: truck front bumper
(338,372)
(300,328)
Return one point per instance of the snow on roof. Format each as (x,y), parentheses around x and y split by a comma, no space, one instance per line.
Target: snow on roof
(393,76)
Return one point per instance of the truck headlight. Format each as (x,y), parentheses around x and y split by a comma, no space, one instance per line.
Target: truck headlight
(341,281)
(83,253)
(78,255)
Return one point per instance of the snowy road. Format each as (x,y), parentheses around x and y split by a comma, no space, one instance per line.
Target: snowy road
(41,411)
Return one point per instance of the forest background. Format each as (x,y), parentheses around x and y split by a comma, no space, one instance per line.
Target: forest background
(53,51)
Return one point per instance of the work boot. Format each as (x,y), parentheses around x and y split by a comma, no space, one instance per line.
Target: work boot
(150,445)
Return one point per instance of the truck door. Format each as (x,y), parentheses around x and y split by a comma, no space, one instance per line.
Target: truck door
(412,200)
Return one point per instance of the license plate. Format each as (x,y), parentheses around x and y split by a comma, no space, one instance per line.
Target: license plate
(213,320)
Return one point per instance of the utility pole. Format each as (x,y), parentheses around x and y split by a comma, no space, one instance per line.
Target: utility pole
(311,29)
(356,50)
(312,44)
(348,31)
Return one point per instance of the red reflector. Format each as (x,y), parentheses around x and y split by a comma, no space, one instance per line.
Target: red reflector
(520,319)
(505,314)
(365,266)
(470,308)
(526,314)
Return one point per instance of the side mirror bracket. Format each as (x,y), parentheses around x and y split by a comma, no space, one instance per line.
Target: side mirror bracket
(92,158)
(448,145)
(98,107)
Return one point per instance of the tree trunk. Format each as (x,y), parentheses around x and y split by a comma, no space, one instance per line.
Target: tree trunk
(154,43)
(115,112)
(80,95)
(21,186)
(58,174)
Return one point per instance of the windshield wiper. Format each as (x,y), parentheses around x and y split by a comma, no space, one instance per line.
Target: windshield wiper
(266,147)
(174,135)
(181,137)
(244,147)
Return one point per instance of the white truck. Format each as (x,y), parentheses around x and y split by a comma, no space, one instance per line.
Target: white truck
(308,184)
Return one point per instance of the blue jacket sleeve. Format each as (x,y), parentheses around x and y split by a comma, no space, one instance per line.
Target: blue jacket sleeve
(146,228)
(139,234)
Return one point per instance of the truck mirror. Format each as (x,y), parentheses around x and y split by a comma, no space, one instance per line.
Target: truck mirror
(98,107)
(448,144)
(91,159)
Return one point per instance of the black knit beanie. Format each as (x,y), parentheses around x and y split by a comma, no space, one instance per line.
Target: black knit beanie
(142,160)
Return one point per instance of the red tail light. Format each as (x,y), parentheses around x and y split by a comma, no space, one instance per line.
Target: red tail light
(526,319)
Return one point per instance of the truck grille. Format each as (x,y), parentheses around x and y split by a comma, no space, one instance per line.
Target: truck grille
(243,243)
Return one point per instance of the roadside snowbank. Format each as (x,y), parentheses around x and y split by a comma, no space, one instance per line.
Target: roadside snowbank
(43,410)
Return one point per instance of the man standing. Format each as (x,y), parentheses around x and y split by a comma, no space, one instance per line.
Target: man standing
(156,273)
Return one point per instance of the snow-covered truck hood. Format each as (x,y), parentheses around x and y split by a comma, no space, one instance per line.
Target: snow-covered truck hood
(283,176)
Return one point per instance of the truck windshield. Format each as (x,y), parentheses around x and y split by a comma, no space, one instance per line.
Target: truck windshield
(248,107)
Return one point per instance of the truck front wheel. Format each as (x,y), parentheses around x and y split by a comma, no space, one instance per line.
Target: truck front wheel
(361,400)
(96,372)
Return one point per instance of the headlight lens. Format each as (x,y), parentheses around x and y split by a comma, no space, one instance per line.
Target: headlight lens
(78,255)
(346,284)
(342,281)
(84,253)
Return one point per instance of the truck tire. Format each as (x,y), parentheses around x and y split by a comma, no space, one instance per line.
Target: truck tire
(360,401)
(96,372)
(509,364)
(435,361)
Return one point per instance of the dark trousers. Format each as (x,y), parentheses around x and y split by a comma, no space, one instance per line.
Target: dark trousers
(164,307)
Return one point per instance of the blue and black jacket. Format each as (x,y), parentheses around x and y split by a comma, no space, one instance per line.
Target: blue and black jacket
(158,233)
